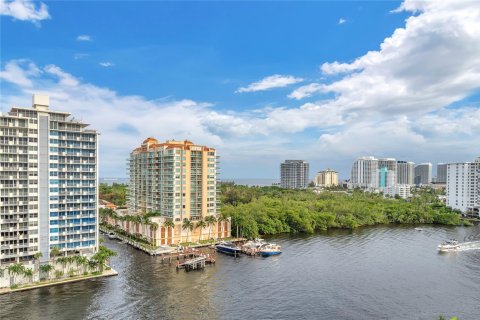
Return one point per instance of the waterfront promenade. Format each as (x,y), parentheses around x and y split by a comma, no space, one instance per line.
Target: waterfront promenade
(164,249)
(54,282)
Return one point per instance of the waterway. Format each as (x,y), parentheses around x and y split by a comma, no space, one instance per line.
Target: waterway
(368,273)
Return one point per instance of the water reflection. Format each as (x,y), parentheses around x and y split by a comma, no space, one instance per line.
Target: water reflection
(386,272)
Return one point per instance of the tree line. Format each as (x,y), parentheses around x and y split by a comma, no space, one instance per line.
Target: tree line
(258,211)
(115,193)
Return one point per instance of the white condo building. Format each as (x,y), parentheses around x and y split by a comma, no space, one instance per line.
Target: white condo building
(294,174)
(365,173)
(48,183)
(387,175)
(441,173)
(463,186)
(405,172)
(402,190)
(423,174)
(387,168)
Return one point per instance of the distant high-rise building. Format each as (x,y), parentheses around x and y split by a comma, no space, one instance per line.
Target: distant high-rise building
(387,172)
(463,186)
(423,174)
(294,174)
(405,172)
(365,173)
(441,173)
(48,183)
(389,163)
(327,178)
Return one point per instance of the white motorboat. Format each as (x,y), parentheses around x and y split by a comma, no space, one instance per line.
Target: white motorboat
(251,247)
(449,245)
(270,249)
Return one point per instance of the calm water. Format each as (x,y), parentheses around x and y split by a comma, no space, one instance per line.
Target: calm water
(370,273)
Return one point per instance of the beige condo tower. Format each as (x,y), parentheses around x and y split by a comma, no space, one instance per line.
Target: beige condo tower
(178,180)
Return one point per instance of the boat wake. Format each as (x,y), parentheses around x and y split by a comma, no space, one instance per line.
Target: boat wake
(455,246)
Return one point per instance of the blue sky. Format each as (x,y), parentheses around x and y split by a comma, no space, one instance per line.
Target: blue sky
(260,81)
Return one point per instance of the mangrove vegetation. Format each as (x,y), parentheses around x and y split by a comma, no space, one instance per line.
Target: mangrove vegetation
(270,210)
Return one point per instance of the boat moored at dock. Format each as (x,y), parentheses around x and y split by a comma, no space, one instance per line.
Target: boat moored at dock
(270,249)
(251,247)
(228,248)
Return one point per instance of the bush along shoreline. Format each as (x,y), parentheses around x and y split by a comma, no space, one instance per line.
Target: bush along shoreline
(258,211)
(57,269)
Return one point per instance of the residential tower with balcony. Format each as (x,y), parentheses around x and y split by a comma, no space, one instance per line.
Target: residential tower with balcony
(48,183)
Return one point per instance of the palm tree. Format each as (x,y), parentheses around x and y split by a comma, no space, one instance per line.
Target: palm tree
(169,224)
(29,274)
(55,252)
(146,221)
(187,225)
(46,268)
(201,224)
(81,261)
(37,257)
(153,229)
(92,264)
(103,255)
(222,219)
(63,261)
(128,219)
(210,220)
(138,220)
(15,270)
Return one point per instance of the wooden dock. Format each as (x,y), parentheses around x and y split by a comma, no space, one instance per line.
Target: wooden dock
(189,254)
(193,264)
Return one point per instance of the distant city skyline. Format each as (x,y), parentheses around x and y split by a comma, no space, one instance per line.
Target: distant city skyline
(261,82)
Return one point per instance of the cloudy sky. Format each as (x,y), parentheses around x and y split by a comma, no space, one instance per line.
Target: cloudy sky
(260,81)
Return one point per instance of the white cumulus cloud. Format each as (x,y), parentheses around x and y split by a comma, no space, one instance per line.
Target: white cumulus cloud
(79,56)
(19,72)
(430,63)
(24,10)
(84,37)
(395,101)
(305,91)
(106,64)
(275,81)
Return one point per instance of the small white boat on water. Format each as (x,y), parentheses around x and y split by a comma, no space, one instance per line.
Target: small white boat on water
(449,245)
(270,249)
(251,247)
(419,229)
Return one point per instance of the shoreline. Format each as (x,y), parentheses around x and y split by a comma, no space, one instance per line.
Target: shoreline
(161,250)
(49,283)
(391,224)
